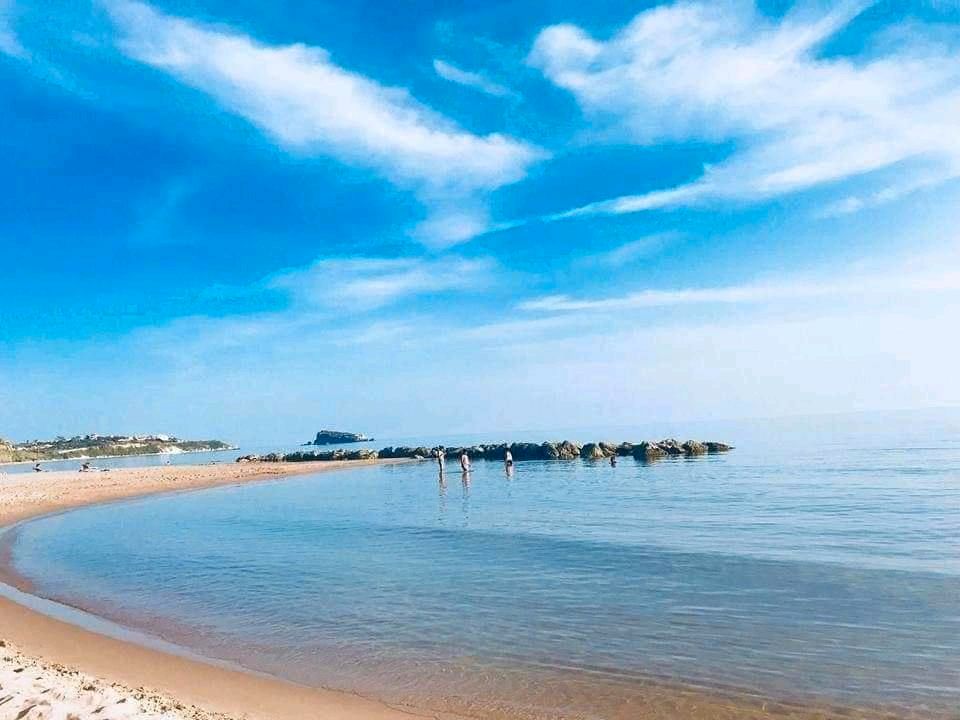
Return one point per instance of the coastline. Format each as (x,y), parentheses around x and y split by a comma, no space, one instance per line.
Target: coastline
(192,688)
(114,457)
(201,689)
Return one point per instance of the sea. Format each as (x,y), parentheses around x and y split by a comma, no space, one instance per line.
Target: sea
(817,563)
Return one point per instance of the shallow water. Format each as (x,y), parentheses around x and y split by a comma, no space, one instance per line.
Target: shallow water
(818,567)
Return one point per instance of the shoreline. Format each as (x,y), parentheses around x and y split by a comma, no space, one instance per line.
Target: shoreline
(198,686)
(208,686)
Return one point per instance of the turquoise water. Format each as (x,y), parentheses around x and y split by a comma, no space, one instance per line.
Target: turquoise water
(812,566)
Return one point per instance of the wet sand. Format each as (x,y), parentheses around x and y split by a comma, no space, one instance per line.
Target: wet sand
(133,681)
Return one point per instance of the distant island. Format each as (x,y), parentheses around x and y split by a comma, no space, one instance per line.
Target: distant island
(98,446)
(337,437)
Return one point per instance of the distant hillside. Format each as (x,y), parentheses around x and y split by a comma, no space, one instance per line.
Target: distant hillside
(94,446)
(8,453)
(337,437)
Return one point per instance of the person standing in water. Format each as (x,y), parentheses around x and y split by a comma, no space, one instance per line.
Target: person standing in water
(464,461)
(508,459)
(441,457)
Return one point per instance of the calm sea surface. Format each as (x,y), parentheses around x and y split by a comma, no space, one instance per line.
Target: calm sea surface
(813,563)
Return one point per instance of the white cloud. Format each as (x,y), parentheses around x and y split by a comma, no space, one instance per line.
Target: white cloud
(721,72)
(9,42)
(475,80)
(634,250)
(893,191)
(362,284)
(331,304)
(760,293)
(308,104)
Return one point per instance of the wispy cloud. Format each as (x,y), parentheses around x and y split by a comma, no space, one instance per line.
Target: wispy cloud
(362,284)
(27,58)
(156,223)
(893,191)
(310,105)
(715,72)
(759,293)
(631,251)
(475,80)
(335,301)
(9,42)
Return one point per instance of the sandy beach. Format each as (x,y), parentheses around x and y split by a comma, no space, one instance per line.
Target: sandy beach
(39,679)
(52,669)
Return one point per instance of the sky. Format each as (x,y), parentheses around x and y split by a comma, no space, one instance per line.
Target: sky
(251,220)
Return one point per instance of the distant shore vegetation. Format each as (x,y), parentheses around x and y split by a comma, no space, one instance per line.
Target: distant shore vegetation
(94,446)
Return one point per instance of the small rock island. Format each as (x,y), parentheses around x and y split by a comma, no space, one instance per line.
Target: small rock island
(338,437)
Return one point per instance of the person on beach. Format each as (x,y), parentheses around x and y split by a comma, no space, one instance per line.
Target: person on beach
(85,467)
(464,461)
(37,468)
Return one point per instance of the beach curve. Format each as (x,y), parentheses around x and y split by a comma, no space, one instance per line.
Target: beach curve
(185,686)
(51,650)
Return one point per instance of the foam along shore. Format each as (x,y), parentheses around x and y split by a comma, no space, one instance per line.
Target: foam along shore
(645,451)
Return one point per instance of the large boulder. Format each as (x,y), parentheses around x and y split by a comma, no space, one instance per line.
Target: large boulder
(598,451)
(608,448)
(524,451)
(647,451)
(717,447)
(567,450)
(364,454)
(694,447)
(625,449)
(549,451)
(671,446)
(301,456)
(592,451)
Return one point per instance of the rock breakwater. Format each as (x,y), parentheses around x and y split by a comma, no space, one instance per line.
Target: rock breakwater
(563,450)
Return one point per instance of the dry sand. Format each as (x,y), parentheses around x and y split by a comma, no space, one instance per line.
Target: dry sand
(87,676)
(34,690)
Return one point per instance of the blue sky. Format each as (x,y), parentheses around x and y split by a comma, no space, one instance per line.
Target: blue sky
(250,220)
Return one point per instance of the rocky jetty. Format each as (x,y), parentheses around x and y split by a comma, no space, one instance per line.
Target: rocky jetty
(336,437)
(646,451)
